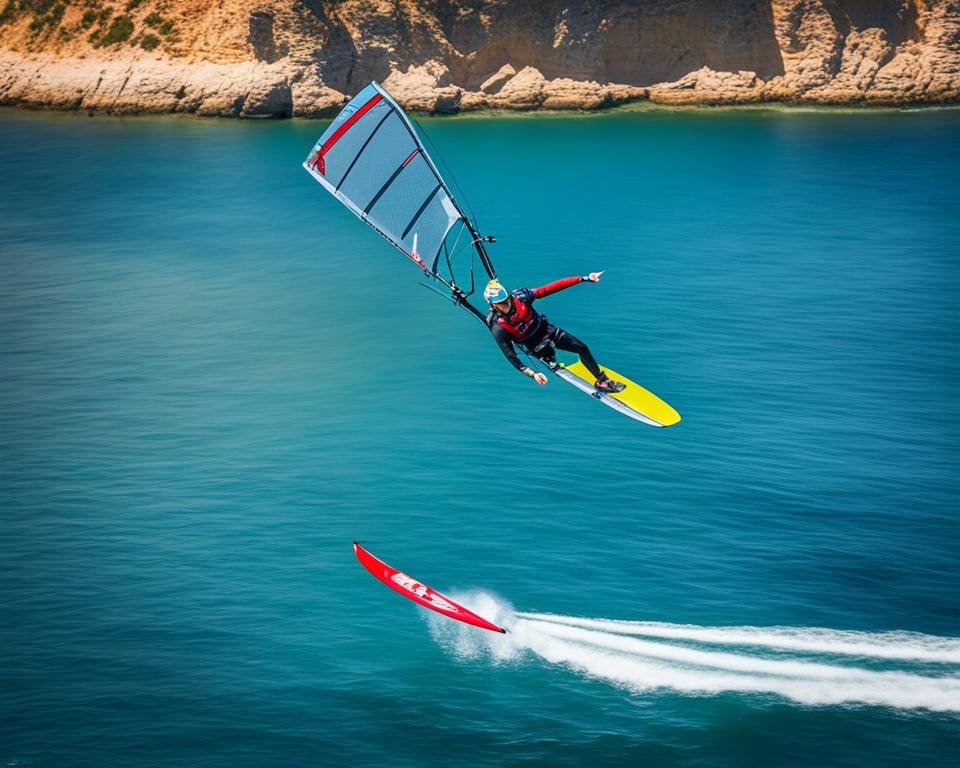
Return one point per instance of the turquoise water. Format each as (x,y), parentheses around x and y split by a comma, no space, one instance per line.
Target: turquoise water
(213,379)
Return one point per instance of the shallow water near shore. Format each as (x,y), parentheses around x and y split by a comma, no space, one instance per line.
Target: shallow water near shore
(213,379)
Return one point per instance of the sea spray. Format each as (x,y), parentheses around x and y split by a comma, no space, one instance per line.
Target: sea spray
(470,643)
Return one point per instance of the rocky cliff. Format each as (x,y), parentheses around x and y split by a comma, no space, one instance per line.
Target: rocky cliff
(305,57)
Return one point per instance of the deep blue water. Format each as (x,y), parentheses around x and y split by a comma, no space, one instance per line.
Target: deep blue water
(213,379)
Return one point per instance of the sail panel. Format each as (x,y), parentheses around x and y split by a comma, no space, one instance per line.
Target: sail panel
(371,159)
(380,159)
(398,209)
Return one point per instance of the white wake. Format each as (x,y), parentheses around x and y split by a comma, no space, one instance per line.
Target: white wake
(813,667)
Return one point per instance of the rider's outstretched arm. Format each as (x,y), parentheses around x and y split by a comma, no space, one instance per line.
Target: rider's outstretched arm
(564,282)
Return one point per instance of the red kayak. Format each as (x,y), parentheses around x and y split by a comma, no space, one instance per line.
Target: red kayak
(420,593)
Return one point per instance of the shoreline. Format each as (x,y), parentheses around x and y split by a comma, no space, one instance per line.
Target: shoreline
(650,107)
(619,110)
(282,90)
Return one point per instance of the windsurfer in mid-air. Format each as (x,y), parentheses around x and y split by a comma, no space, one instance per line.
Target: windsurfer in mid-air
(513,321)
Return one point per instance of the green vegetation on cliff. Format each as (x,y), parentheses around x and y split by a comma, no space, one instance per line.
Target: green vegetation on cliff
(100,20)
(119,30)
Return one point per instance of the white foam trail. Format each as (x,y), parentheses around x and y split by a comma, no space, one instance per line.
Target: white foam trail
(594,648)
(640,674)
(718,660)
(896,646)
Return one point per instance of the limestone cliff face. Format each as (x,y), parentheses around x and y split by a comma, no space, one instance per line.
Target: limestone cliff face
(306,57)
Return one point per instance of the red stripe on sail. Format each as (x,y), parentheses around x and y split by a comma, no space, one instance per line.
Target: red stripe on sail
(317,160)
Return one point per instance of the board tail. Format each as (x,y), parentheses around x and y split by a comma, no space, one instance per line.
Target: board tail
(634,401)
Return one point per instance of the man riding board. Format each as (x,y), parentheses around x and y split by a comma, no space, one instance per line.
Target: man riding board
(513,321)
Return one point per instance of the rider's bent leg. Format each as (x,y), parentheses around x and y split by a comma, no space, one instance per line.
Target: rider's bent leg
(570,343)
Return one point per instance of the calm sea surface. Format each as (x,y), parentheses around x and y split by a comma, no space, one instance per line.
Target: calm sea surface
(213,379)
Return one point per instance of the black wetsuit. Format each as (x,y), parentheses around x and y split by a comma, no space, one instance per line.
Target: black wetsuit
(524,325)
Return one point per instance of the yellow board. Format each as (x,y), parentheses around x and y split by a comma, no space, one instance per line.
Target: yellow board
(634,397)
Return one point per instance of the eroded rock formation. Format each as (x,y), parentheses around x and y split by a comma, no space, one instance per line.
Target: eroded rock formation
(306,57)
